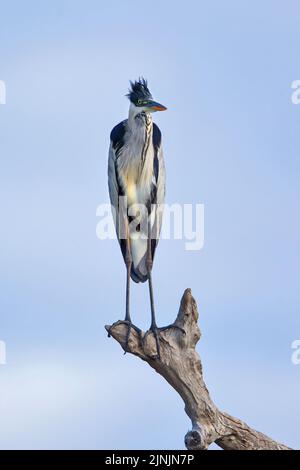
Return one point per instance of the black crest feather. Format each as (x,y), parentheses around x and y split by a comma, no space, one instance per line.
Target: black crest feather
(139,90)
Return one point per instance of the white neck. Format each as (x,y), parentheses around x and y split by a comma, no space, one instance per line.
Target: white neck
(133,117)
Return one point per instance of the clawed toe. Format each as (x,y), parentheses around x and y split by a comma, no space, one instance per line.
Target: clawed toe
(130,326)
(124,322)
(153,329)
(173,325)
(155,332)
(119,322)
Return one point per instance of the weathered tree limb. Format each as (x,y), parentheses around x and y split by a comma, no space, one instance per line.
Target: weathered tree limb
(181,366)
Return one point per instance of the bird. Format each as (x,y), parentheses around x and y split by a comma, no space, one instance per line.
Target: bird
(136,182)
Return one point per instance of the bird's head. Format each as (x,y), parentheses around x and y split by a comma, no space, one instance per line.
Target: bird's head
(141,99)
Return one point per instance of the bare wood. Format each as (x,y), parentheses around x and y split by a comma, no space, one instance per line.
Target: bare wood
(181,366)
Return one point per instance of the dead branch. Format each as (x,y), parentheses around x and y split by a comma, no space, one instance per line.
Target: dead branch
(181,366)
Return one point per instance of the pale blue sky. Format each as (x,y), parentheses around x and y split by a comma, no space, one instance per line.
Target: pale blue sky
(231,140)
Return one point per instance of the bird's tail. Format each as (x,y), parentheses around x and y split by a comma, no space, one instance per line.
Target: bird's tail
(139,272)
(137,276)
(138,248)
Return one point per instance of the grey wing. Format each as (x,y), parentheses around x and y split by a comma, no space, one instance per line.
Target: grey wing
(158,188)
(113,186)
(115,190)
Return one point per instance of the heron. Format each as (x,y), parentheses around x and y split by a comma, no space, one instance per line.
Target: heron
(136,172)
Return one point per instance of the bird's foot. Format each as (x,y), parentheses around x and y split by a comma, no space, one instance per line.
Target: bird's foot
(130,326)
(155,331)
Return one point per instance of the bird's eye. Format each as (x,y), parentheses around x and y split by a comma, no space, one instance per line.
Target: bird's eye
(140,101)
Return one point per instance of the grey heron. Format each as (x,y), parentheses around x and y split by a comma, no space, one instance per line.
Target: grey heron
(136,172)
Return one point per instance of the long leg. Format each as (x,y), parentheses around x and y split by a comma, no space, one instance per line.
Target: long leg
(128,262)
(149,263)
(127,321)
